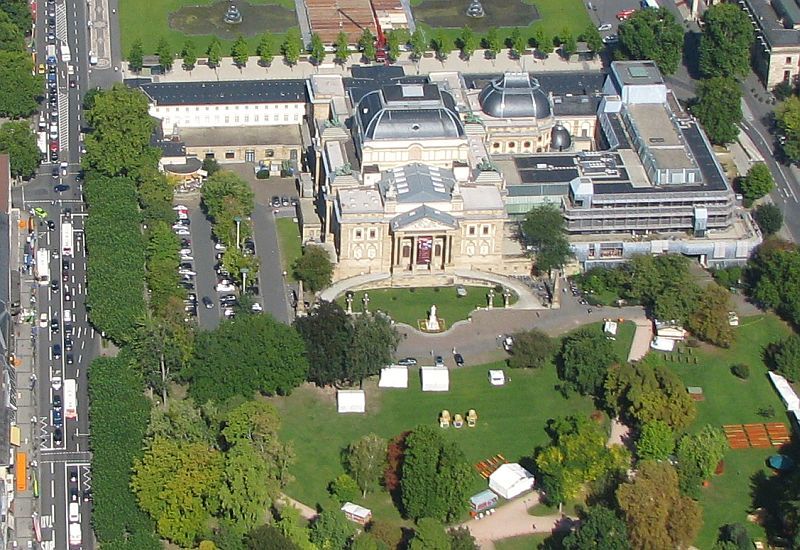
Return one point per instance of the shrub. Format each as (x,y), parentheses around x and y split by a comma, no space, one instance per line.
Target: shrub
(740,370)
(344,489)
(262,174)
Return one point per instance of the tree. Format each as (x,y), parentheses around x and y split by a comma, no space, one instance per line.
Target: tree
(11,36)
(787,116)
(757,183)
(342,46)
(568,44)
(643,393)
(317,49)
(773,276)
(19,13)
(211,166)
(331,530)
(769,218)
(365,541)
(676,302)
(434,476)
(162,349)
(395,457)
(653,34)
(18,141)
(718,108)
(247,489)
(164,53)
(367,44)
(467,42)
(462,539)
(292,46)
(698,455)
(344,489)
(656,441)
(544,42)
(419,44)
(532,349)
(177,484)
(20,87)
(226,196)
(373,344)
(136,56)
(214,53)
(785,356)
(246,355)
(493,42)
(543,231)
(577,455)
(658,516)
(265,49)
(240,52)
(189,55)
(388,534)
(710,321)
(442,44)
(518,43)
(394,38)
(366,461)
(327,332)
(314,268)
(593,39)
(585,359)
(268,537)
(429,535)
(294,529)
(736,535)
(179,420)
(599,528)
(726,41)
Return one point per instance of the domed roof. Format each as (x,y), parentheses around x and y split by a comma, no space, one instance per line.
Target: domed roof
(560,140)
(515,95)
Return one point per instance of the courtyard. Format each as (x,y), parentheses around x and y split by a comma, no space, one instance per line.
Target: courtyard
(200,21)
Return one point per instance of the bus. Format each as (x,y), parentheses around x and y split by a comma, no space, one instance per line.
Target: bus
(70,399)
(66,239)
(21,471)
(43,266)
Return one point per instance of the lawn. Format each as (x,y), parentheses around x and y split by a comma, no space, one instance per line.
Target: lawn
(729,400)
(553,16)
(409,305)
(177,20)
(527,542)
(511,421)
(289,242)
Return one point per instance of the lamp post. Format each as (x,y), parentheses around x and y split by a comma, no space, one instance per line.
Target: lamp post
(238,221)
(244,272)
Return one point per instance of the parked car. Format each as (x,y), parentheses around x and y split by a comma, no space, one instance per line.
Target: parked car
(438,361)
(56,401)
(275,202)
(407,362)
(58,418)
(285,201)
(208,303)
(225,287)
(182,231)
(459,359)
(58,436)
(43,320)
(604,27)
(56,351)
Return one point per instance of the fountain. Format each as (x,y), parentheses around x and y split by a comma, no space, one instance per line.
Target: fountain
(233,15)
(475,9)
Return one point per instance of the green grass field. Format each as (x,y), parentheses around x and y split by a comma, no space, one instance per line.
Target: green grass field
(529,542)
(411,305)
(729,400)
(149,21)
(289,242)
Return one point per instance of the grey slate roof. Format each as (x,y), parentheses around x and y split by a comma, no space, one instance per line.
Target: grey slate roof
(515,95)
(558,83)
(384,114)
(225,92)
(417,183)
(421,212)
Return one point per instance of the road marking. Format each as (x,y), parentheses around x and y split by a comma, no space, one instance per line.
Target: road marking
(52,489)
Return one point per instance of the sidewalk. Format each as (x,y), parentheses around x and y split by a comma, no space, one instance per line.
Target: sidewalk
(278,70)
(25,506)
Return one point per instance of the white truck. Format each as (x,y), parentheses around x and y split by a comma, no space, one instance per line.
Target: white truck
(66,55)
(51,54)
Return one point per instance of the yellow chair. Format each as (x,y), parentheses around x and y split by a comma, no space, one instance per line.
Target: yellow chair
(458,421)
(472,418)
(444,419)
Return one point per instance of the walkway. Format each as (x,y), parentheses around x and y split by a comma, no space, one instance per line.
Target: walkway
(513,520)
(339,287)
(306,512)
(279,70)
(641,339)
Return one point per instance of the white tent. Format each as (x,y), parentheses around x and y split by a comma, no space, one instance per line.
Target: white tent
(788,396)
(435,378)
(351,401)
(610,328)
(497,377)
(511,480)
(357,513)
(394,376)
(662,344)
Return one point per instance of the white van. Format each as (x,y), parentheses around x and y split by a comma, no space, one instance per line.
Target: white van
(75,534)
(74,512)
(67,315)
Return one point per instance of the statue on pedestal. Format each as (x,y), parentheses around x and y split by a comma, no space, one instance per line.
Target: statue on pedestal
(490,298)
(506,298)
(348,299)
(433,322)
(365,302)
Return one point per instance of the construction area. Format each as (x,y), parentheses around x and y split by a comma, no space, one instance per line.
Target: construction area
(328,18)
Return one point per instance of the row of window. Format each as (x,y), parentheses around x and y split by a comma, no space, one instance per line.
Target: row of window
(472,230)
(187,122)
(256,107)
(372,233)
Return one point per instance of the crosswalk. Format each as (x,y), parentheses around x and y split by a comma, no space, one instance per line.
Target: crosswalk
(61,22)
(63,119)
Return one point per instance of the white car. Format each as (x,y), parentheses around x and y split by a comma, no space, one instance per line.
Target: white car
(75,538)
(187,272)
(183,232)
(225,287)
(257,307)
(74,512)
(219,246)
(604,27)
(228,312)
(187,258)
(186,251)
(56,382)
(178,226)
(179,207)
(43,320)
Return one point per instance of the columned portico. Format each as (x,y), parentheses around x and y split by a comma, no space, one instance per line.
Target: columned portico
(413,252)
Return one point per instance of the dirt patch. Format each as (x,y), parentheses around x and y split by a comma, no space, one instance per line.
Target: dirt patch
(453,14)
(205,20)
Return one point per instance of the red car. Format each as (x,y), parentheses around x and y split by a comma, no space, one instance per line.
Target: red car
(624,14)
(54,146)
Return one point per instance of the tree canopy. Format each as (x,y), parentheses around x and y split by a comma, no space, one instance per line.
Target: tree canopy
(757,183)
(785,357)
(366,461)
(435,476)
(718,108)
(773,274)
(314,268)
(533,349)
(769,218)
(20,87)
(710,319)
(657,515)
(226,196)
(787,117)
(18,141)
(698,455)
(656,441)
(653,34)
(599,528)
(543,231)
(246,355)
(240,51)
(331,529)
(586,356)
(726,41)
(292,46)
(429,534)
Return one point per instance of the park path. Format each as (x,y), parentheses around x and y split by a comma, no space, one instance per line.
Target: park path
(306,512)
(641,339)
(513,520)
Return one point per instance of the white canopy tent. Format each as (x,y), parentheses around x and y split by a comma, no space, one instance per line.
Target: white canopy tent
(394,376)
(497,377)
(435,378)
(351,401)
(662,344)
(511,480)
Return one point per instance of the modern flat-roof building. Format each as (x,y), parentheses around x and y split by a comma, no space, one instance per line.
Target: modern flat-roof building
(777,46)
